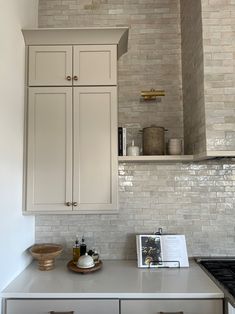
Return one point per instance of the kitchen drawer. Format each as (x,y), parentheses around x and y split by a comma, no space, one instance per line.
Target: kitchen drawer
(172,307)
(27,306)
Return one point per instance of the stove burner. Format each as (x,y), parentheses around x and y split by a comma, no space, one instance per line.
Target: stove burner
(223,271)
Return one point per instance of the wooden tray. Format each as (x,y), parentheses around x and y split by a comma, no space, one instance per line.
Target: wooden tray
(73,267)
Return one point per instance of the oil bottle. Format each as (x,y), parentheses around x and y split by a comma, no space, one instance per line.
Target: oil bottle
(76,250)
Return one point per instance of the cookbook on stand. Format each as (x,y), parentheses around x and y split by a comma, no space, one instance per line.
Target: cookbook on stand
(154,250)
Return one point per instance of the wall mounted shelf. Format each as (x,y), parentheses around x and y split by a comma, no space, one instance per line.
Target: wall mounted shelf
(162,158)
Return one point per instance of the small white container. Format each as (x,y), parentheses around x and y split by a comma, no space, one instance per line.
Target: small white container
(175,146)
(133,150)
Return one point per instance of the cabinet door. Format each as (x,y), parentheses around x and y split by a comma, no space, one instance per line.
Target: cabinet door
(49,151)
(95,65)
(95,148)
(172,306)
(62,306)
(50,65)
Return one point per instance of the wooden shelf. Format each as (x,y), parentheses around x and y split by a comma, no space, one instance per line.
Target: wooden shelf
(162,158)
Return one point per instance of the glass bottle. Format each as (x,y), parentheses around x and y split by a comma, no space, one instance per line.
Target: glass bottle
(76,250)
(83,247)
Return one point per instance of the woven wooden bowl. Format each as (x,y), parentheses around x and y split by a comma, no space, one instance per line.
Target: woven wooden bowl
(46,253)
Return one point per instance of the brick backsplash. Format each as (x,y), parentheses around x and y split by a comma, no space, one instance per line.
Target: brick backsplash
(195,199)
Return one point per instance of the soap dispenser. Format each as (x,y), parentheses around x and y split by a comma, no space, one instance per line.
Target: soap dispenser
(133,150)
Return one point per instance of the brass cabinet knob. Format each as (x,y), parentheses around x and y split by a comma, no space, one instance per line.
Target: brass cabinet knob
(68,78)
(75,204)
(68,204)
(75,78)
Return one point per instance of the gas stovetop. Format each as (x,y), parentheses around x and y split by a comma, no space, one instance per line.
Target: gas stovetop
(223,270)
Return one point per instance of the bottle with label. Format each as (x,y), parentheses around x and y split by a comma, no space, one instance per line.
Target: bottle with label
(83,247)
(76,250)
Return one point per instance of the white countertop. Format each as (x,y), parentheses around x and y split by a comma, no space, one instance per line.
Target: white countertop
(117,279)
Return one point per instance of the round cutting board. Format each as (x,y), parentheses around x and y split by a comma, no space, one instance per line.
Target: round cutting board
(71,266)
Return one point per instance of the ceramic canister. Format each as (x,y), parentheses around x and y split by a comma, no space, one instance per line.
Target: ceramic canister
(154,140)
(175,146)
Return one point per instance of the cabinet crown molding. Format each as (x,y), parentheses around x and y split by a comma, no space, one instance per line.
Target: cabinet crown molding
(79,36)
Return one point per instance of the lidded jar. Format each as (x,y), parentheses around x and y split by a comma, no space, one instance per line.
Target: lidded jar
(154,140)
(85,261)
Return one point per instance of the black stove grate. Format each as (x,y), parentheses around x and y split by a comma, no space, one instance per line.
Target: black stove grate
(223,271)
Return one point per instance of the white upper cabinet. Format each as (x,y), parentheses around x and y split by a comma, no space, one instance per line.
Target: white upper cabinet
(72,149)
(49,153)
(95,180)
(71,142)
(95,65)
(50,66)
(73,65)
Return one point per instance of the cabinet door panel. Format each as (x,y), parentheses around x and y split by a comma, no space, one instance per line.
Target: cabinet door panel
(172,306)
(50,65)
(95,64)
(95,148)
(49,170)
(62,306)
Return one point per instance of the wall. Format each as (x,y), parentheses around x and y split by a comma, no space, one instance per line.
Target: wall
(208,75)
(196,199)
(219,46)
(17,232)
(193,77)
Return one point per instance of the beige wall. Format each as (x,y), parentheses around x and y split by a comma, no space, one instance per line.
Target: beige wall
(17,232)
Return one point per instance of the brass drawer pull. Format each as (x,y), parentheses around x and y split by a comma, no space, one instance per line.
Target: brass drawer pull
(75,78)
(53,312)
(171,312)
(69,204)
(75,204)
(68,78)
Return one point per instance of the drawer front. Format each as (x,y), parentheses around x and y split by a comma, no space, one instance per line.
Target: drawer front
(172,307)
(26,306)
